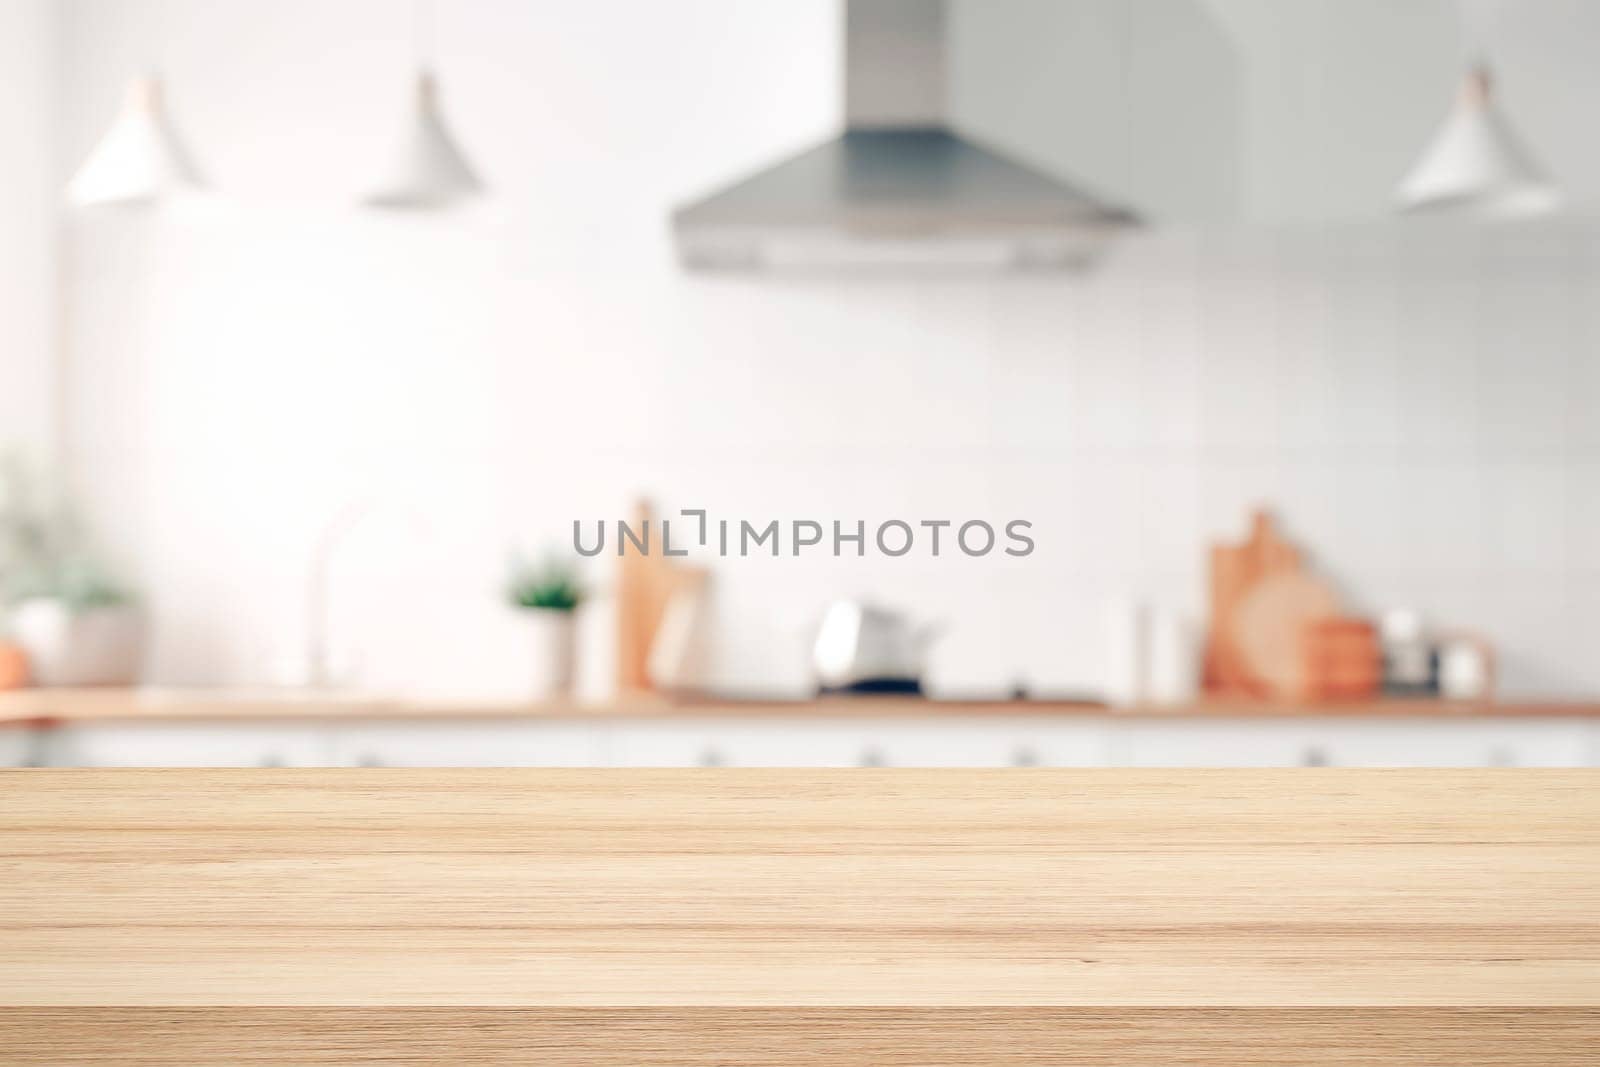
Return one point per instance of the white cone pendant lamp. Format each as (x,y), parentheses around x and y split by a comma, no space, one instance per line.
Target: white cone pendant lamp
(1476,163)
(140,160)
(427,169)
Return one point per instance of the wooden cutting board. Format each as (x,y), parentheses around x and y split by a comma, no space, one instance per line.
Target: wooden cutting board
(1269,630)
(648,583)
(1235,571)
(703,918)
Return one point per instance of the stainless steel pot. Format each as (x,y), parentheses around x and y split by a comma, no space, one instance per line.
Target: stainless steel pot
(863,647)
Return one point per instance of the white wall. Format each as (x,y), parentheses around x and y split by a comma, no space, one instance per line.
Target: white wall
(1416,402)
(28,308)
(1140,100)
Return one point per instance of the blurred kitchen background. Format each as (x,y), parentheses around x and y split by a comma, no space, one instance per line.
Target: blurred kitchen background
(301,436)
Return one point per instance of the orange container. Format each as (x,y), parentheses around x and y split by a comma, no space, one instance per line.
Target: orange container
(1343,659)
(13,666)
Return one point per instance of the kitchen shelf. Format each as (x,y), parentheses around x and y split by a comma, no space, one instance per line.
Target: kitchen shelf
(24,706)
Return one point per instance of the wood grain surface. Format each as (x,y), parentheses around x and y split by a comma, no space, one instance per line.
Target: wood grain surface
(777,1037)
(753,917)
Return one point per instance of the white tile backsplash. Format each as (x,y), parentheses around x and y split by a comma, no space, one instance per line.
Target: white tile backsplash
(1583,510)
(1437,374)
(1526,337)
(1408,416)
(1529,518)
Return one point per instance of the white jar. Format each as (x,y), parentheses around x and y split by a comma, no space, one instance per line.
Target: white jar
(1127,653)
(70,646)
(1173,662)
(1466,670)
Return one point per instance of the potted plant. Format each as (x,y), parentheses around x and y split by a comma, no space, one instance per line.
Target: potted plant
(75,625)
(548,596)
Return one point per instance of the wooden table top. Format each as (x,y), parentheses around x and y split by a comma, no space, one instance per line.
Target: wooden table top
(763,917)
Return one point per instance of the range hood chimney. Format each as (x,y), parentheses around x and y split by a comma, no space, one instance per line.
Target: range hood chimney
(898,188)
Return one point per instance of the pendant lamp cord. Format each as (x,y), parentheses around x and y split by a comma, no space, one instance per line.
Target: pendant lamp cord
(1476,16)
(1126,74)
(159,43)
(422,32)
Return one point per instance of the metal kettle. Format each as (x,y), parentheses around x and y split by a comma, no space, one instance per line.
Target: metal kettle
(864,648)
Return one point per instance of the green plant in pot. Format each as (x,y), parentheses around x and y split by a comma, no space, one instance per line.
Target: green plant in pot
(547,595)
(76,625)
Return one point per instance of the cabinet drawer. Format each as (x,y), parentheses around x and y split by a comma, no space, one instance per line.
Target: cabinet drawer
(1432,742)
(1221,743)
(1474,743)
(997,742)
(864,743)
(19,746)
(720,743)
(465,743)
(160,744)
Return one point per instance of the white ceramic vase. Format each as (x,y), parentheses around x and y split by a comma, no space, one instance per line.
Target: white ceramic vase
(1127,653)
(1173,663)
(68,646)
(550,653)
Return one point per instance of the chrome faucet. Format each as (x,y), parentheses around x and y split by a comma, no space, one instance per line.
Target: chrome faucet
(319,671)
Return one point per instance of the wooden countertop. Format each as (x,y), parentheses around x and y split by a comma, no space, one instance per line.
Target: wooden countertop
(1328,917)
(160,704)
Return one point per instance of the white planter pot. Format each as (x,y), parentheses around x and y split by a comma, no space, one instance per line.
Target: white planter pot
(94,646)
(550,653)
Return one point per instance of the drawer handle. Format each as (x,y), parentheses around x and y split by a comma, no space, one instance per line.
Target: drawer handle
(710,757)
(1024,756)
(872,756)
(1315,756)
(37,753)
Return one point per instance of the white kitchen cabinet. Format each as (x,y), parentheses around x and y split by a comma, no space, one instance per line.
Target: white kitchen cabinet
(466,743)
(735,743)
(1220,743)
(974,741)
(1591,747)
(165,744)
(20,746)
(1334,742)
(1466,743)
(998,742)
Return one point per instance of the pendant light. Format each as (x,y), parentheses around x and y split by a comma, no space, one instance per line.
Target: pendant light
(140,160)
(427,168)
(1476,163)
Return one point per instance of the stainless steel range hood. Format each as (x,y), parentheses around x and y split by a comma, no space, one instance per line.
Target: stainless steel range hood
(898,188)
